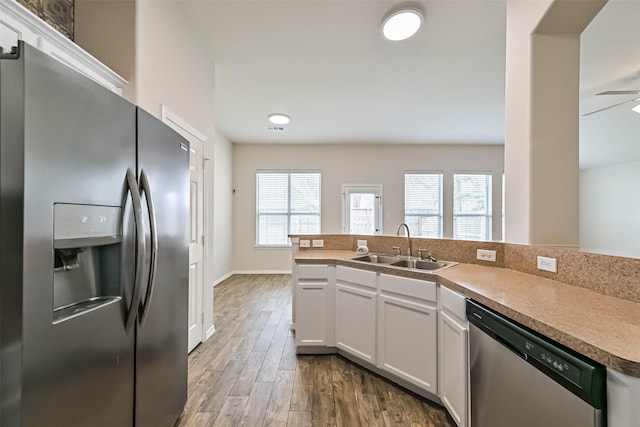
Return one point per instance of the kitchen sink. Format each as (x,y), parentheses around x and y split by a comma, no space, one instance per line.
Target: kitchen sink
(377,259)
(420,264)
(404,262)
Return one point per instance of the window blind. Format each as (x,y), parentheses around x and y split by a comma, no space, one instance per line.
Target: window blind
(472,206)
(287,203)
(423,203)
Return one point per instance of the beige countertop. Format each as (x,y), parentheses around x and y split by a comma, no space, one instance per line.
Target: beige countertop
(604,328)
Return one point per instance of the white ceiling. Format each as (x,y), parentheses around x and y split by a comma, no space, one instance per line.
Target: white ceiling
(324,63)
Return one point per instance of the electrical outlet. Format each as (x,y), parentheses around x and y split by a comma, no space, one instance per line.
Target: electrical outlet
(486,255)
(362,243)
(318,243)
(305,243)
(547,264)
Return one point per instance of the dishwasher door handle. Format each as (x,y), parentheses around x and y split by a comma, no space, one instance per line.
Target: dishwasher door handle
(511,347)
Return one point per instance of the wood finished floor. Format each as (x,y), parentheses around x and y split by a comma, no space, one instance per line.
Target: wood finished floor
(248,374)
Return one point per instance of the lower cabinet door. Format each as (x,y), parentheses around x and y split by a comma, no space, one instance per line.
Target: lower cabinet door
(454,384)
(356,322)
(311,308)
(407,341)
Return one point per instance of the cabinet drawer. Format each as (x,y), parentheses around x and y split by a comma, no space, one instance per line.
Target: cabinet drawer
(313,271)
(421,289)
(354,275)
(454,304)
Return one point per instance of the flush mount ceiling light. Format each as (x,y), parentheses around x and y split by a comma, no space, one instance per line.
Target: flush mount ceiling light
(400,24)
(279,119)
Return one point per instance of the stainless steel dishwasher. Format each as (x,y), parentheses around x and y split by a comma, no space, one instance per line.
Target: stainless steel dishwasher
(521,379)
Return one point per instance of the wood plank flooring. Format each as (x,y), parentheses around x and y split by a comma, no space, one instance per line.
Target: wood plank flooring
(248,374)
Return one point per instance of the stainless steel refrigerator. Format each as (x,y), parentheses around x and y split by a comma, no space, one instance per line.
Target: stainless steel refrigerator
(93,253)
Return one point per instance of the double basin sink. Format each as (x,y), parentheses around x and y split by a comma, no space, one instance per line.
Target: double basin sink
(404,262)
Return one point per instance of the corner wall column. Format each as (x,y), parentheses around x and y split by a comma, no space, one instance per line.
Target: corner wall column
(542,113)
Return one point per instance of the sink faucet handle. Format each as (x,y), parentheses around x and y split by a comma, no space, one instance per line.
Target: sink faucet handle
(429,257)
(397,249)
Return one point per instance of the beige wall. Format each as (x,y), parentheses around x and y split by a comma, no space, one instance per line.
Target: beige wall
(348,164)
(114,43)
(610,210)
(221,210)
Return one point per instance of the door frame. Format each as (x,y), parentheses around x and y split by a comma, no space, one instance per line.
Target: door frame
(366,188)
(181,126)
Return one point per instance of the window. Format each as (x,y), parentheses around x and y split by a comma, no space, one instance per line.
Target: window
(361,209)
(287,203)
(472,206)
(423,204)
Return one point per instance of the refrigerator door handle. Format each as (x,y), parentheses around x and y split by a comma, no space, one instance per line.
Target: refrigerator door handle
(146,189)
(140,249)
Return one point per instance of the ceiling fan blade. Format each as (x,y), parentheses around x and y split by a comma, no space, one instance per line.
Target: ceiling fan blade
(620,92)
(611,106)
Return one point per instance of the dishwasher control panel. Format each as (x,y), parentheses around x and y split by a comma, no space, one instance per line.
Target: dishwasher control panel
(561,364)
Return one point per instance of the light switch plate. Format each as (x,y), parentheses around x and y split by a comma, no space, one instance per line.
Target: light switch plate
(486,255)
(305,243)
(318,243)
(548,264)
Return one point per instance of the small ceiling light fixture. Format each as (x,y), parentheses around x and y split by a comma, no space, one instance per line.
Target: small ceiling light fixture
(402,23)
(279,119)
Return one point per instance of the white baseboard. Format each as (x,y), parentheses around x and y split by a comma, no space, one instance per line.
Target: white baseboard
(222,279)
(210,332)
(262,272)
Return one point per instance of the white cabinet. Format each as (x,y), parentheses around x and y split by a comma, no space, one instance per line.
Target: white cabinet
(407,330)
(454,355)
(312,311)
(355,312)
(623,396)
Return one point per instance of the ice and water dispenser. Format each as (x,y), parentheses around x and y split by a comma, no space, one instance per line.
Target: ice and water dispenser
(87,258)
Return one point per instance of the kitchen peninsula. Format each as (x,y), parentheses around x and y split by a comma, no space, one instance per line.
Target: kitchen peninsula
(598,321)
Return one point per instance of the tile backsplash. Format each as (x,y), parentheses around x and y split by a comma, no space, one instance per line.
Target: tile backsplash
(57,13)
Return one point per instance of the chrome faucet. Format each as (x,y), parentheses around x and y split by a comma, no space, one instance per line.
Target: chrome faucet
(408,236)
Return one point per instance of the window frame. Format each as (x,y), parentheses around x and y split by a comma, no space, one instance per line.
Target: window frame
(288,214)
(440,215)
(489,205)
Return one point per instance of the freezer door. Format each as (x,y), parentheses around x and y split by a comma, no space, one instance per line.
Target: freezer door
(67,144)
(161,347)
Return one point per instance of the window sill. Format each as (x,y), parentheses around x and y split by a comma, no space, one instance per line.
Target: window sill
(272,246)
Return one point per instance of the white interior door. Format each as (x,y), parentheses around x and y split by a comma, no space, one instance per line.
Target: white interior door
(196,226)
(362,209)
(196,243)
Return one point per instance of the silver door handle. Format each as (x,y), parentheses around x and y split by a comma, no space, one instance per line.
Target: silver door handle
(146,190)
(141,250)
